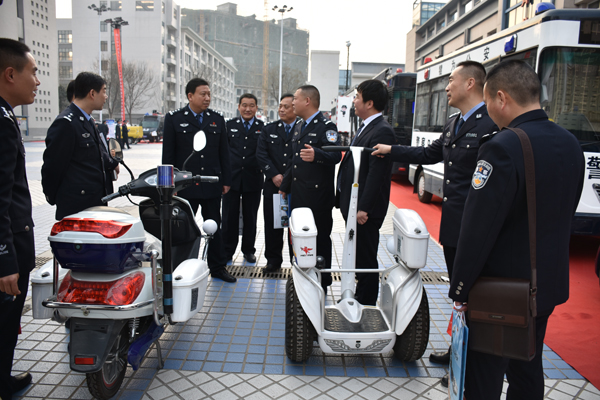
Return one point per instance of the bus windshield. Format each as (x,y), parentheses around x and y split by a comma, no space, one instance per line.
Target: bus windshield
(150,123)
(570,79)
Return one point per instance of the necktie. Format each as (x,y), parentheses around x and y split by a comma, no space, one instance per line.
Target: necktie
(459,125)
(360,128)
(199,116)
(304,125)
(247,126)
(288,128)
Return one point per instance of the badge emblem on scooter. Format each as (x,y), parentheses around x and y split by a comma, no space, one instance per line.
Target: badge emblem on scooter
(305,249)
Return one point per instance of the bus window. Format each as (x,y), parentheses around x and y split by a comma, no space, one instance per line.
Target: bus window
(570,80)
(439,104)
(422,107)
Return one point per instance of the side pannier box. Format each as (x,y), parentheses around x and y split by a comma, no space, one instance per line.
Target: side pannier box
(189,288)
(99,239)
(41,288)
(304,237)
(410,238)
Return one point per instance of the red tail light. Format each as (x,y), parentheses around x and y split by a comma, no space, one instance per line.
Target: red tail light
(108,229)
(85,360)
(116,293)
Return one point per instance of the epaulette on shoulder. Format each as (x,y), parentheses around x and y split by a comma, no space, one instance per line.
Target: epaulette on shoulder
(5,112)
(453,115)
(69,117)
(329,122)
(175,111)
(487,137)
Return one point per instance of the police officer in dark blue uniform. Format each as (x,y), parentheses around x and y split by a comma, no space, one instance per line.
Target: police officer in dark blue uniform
(274,154)
(77,166)
(310,176)
(246,179)
(457,148)
(178,141)
(18,84)
(494,236)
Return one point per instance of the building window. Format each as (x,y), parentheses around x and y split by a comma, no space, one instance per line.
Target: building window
(65,37)
(115,5)
(144,5)
(66,71)
(104,65)
(65,55)
(452,17)
(104,45)
(102,26)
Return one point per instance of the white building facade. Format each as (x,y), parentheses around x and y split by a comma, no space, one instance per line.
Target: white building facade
(33,22)
(324,75)
(154,37)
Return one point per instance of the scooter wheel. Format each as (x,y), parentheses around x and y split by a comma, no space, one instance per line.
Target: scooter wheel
(411,345)
(105,383)
(299,331)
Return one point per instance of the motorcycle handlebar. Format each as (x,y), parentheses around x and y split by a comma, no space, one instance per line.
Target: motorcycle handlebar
(110,197)
(346,148)
(209,179)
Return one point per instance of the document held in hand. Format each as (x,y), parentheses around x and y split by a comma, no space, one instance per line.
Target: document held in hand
(458,357)
(281,211)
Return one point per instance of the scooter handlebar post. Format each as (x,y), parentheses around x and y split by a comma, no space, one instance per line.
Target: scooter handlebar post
(346,148)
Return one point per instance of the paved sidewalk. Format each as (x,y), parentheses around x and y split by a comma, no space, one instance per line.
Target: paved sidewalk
(234,347)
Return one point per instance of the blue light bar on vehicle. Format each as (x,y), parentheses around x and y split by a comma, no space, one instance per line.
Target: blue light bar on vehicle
(510,44)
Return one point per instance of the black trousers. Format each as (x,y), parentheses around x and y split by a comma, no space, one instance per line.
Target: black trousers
(211,209)
(367,244)
(125,141)
(449,256)
(273,237)
(485,373)
(231,221)
(10,311)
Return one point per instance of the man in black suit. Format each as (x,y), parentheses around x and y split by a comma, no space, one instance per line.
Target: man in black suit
(77,167)
(125,136)
(274,154)
(246,179)
(373,183)
(118,135)
(494,236)
(310,175)
(18,86)
(178,141)
(457,148)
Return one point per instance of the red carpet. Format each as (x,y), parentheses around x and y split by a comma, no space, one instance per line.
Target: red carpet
(574,327)
(402,196)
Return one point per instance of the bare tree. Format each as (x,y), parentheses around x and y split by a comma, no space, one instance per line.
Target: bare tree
(139,83)
(291,79)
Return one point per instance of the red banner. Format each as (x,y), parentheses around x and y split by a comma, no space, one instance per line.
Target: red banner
(120,67)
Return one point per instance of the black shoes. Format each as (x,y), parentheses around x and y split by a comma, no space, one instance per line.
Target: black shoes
(251,258)
(270,268)
(444,381)
(20,382)
(222,274)
(440,357)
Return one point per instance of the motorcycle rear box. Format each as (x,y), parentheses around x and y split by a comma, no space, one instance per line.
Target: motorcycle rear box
(411,238)
(189,287)
(82,247)
(304,237)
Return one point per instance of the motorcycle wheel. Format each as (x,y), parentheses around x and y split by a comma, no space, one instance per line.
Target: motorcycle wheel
(411,345)
(299,331)
(105,383)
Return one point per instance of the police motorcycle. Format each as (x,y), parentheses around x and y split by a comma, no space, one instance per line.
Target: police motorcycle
(117,283)
(399,322)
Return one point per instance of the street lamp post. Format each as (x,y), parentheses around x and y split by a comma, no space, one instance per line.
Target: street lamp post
(281,10)
(99,10)
(347,64)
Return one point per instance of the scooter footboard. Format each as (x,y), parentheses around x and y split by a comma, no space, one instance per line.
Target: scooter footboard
(91,341)
(401,295)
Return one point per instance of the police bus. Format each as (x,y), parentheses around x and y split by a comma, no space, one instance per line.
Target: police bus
(400,110)
(563,46)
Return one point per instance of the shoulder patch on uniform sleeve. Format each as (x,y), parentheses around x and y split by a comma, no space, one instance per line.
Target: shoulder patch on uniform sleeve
(331,136)
(482,174)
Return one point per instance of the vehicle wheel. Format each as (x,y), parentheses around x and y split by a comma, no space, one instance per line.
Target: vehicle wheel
(105,383)
(424,196)
(130,141)
(299,331)
(411,345)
